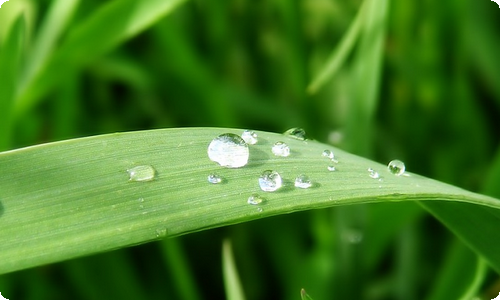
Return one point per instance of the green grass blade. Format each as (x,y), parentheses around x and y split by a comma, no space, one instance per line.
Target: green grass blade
(176,262)
(459,275)
(72,198)
(116,22)
(232,283)
(60,13)
(10,59)
(340,53)
(304,295)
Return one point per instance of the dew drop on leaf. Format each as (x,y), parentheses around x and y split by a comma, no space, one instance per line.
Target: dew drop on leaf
(281,149)
(297,133)
(214,178)
(302,181)
(331,168)
(229,150)
(396,167)
(328,154)
(141,173)
(373,174)
(249,137)
(255,199)
(270,181)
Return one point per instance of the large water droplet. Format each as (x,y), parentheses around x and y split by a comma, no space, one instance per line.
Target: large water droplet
(229,150)
(396,167)
(281,149)
(297,133)
(141,173)
(270,181)
(373,174)
(255,199)
(302,181)
(214,178)
(249,137)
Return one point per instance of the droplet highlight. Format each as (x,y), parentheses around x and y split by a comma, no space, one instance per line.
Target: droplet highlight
(141,173)
(255,199)
(281,149)
(331,168)
(328,154)
(270,181)
(229,150)
(373,174)
(296,133)
(302,181)
(396,167)
(214,178)
(250,137)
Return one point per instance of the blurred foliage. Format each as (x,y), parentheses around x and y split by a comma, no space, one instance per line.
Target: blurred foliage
(421,84)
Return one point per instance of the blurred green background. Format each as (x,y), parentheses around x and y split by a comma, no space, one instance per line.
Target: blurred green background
(421,83)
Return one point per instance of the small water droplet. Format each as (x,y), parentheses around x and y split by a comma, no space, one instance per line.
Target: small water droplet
(396,167)
(302,181)
(331,168)
(270,181)
(373,174)
(281,149)
(353,236)
(214,178)
(161,232)
(255,199)
(141,173)
(249,137)
(259,209)
(229,150)
(297,133)
(328,154)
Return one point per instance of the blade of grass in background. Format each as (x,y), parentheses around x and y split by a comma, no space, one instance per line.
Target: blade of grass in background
(74,198)
(115,22)
(11,54)
(232,282)
(177,263)
(365,79)
(461,275)
(340,53)
(54,23)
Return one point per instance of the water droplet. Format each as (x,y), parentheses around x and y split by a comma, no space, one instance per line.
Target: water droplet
(281,149)
(161,232)
(214,178)
(353,236)
(270,181)
(141,173)
(396,167)
(331,168)
(255,199)
(249,137)
(229,150)
(302,181)
(259,209)
(297,133)
(373,174)
(328,154)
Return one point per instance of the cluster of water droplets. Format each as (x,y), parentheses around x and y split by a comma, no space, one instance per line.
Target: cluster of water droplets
(232,151)
(331,159)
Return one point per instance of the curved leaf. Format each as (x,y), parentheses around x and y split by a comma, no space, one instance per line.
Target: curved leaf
(72,198)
